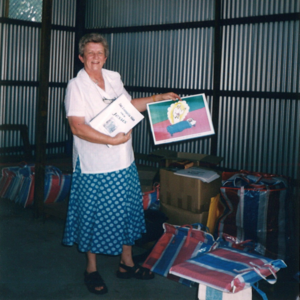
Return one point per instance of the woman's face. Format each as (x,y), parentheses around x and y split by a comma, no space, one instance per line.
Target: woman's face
(93,57)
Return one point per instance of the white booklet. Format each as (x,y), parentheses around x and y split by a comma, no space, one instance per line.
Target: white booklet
(119,116)
(199,173)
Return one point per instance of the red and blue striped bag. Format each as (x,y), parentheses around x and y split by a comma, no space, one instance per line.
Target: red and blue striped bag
(18,181)
(14,187)
(228,270)
(151,198)
(57,185)
(176,245)
(26,193)
(18,184)
(10,180)
(256,207)
(7,178)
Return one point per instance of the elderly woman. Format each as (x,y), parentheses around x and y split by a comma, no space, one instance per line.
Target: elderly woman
(105,213)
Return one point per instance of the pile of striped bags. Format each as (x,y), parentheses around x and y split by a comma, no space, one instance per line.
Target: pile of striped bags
(191,255)
(257,207)
(17,184)
(251,239)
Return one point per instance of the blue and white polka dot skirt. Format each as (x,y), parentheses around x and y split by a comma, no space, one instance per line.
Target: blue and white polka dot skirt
(105,211)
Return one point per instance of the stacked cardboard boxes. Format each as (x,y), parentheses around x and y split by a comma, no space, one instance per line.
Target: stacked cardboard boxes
(186,200)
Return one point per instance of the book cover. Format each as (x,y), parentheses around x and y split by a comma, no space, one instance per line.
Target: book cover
(173,121)
(119,116)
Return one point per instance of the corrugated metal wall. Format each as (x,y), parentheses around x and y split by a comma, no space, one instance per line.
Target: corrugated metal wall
(19,61)
(118,13)
(259,105)
(162,59)
(260,133)
(61,70)
(248,8)
(19,49)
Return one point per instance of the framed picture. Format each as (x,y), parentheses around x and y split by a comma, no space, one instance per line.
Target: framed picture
(173,121)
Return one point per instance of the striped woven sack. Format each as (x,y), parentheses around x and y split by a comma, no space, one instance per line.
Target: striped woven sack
(7,181)
(26,193)
(14,187)
(57,185)
(11,180)
(151,198)
(256,207)
(228,270)
(177,244)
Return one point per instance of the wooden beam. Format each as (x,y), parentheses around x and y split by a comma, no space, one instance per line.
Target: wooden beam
(42,106)
(217,76)
(79,32)
(6,8)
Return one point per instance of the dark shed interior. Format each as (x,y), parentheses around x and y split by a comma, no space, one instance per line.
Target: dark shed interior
(242,54)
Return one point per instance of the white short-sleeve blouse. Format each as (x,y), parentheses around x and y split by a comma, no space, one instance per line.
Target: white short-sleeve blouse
(84,98)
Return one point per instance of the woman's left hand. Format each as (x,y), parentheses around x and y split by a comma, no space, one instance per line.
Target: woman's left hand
(141,103)
(167,96)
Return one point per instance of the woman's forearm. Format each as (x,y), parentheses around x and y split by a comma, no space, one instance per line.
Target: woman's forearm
(141,103)
(87,133)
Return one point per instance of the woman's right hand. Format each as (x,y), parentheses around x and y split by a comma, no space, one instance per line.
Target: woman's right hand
(121,138)
(86,132)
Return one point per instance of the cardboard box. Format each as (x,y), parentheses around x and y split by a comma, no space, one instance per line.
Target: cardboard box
(187,193)
(177,216)
(199,159)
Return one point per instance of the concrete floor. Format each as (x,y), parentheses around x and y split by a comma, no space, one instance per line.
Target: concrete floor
(34,265)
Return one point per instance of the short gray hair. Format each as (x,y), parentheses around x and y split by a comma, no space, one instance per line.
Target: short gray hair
(93,38)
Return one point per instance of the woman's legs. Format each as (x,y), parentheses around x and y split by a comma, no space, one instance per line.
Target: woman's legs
(91,262)
(126,257)
(92,267)
(136,271)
